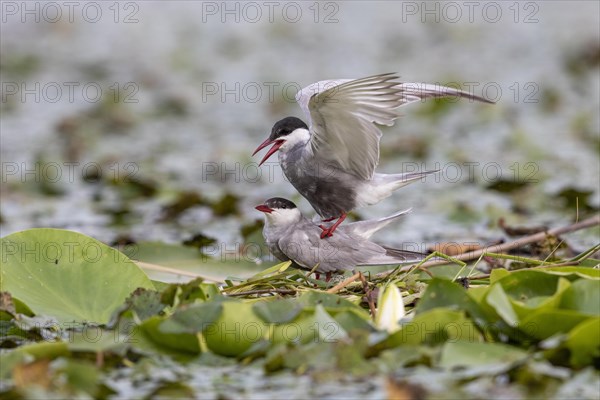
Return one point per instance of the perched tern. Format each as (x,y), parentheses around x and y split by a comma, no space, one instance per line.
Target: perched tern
(331,161)
(291,236)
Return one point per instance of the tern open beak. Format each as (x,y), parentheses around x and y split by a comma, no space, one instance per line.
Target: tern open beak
(264,208)
(262,146)
(276,145)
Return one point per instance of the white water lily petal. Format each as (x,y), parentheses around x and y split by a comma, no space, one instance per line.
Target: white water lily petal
(390,308)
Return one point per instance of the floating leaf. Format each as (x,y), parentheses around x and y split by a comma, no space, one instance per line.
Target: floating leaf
(527,291)
(95,339)
(352,321)
(161,340)
(67,275)
(235,331)
(468,354)
(544,323)
(191,292)
(42,350)
(277,311)
(432,327)
(331,302)
(584,342)
(444,293)
(583,296)
(142,304)
(501,303)
(281,267)
(584,271)
(211,263)
(193,319)
(497,274)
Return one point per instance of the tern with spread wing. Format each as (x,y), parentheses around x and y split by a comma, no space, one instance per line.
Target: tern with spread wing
(291,236)
(332,160)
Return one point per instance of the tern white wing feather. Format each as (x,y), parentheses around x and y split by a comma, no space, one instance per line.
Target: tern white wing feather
(342,114)
(366,229)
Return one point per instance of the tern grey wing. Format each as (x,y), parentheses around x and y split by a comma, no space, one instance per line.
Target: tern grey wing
(366,229)
(342,117)
(304,95)
(413,91)
(341,122)
(338,253)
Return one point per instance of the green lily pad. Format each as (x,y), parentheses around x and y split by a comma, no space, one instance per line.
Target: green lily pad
(525,285)
(193,319)
(95,339)
(213,264)
(67,275)
(142,304)
(444,293)
(432,327)
(468,354)
(583,296)
(179,342)
(277,311)
(194,291)
(497,274)
(352,321)
(498,300)
(544,323)
(583,271)
(331,302)
(529,291)
(310,326)
(235,331)
(584,342)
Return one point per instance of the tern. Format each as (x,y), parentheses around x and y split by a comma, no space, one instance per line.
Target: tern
(332,160)
(291,236)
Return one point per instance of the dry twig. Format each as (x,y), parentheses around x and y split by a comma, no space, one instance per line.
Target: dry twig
(263,291)
(471,255)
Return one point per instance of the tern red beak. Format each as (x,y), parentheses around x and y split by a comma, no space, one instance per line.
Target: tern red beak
(264,208)
(277,144)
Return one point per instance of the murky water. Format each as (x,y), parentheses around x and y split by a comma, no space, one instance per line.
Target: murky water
(198,85)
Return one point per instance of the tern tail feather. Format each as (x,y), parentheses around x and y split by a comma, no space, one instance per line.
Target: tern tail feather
(404,256)
(366,229)
(383,185)
(396,256)
(396,181)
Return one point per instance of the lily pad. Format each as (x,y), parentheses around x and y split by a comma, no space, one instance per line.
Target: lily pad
(468,354)
(235,331)
(432,327)
(277,311)
(332,303)
(583,296)
(544,323)
(67,275)
(180,342)
(528,291)
(213,262)
(444,293)
(584,342)
(498,300)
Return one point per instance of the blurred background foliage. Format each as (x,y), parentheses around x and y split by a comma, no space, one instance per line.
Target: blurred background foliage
(139,126)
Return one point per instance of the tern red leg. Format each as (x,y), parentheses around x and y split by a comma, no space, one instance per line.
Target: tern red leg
(329,231)
(327,276)
(329,219)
